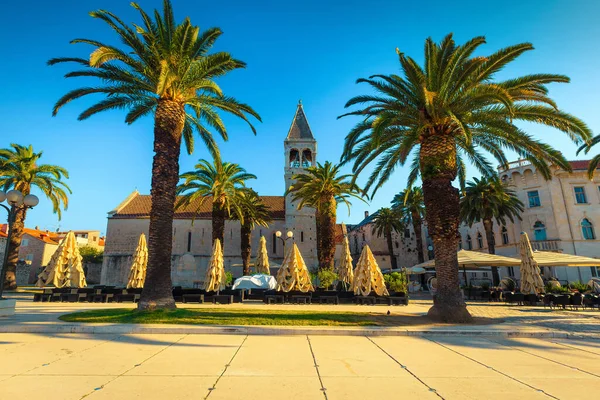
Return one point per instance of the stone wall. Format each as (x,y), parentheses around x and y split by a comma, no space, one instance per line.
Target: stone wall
(92,273)
(23,270)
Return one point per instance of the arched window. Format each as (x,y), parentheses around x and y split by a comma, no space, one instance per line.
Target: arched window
(306,159)
(504,235)
(460,244)
(588,229)
(469,243)
(274,243)
(479,240)
(294,158)
(539,230)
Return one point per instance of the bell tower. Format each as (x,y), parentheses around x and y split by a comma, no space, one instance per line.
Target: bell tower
(300,152)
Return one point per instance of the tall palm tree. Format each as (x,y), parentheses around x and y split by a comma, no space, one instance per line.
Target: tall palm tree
(411,206)
(252,213)
(385,222)
(20,169)
(594,162)
(223,182)
(163,69)
(322,187)
(437,117)
(486,199)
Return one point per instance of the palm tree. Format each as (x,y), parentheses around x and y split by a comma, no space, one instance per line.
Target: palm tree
(162,69)
(386,221)
(594,162)
(487,199)
(439,116)
(411,206)
(20,169)
(322,187)
(223,182)
(252,213)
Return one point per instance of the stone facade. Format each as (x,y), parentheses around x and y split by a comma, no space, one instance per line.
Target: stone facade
(192,226)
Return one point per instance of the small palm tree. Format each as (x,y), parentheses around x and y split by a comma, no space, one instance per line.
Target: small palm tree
(442,114)
(322,187)
(20,170)
(252,213)
(223,182)
(486,199)
(385,222)
(163,69)
(594,162)
(411,207)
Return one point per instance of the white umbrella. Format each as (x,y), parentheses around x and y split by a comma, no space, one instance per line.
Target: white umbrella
(137,273)
(261,265)
(344,269)
(293,274)
(215,279)
(65,268)
(367,275)
(531,281)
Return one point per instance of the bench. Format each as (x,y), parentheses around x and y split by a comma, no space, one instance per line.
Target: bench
(329,299)
(365,300)
(274,298)
(300,299)
(222,299)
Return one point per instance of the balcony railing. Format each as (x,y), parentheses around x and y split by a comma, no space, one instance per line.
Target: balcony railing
(546,245)
(514,164)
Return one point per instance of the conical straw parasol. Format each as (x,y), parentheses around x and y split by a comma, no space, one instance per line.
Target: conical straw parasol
(137,273)
(65,268)
(261,265)
(293,274)
(344,269)
(531,281)
(367,275)
(215,279)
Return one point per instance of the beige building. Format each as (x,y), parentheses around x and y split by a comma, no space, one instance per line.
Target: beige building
(561,215)
(192,232)
(403,243)
(86,238)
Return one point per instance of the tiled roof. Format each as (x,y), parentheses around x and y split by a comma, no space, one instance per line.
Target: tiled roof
(300,128)
(139,207)
(44,236)
(579,165)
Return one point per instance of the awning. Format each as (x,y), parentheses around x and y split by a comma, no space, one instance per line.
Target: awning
(550,259)
(476,259)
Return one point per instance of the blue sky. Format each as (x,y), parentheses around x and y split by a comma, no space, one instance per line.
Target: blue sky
(309,50)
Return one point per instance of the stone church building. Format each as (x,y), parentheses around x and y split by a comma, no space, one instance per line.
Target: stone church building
(192,231)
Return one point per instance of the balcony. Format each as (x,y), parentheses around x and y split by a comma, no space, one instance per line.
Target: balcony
(546,245)
(514,164)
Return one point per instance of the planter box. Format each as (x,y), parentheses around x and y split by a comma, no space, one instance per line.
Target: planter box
(7,308)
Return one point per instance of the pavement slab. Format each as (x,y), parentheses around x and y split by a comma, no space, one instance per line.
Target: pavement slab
(26,387)
(152,387)
(267,387)
(277,356)
(194,355)
(353,356)
(361,388)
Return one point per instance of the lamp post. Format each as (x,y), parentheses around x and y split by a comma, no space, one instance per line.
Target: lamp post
(16,202)
(289,235)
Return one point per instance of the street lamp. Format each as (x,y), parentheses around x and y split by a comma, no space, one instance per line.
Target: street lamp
(289,235)
(16,202)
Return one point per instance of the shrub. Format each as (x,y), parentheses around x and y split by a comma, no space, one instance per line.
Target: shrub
(580,287)
(228,278)
(326,278)
(396,281)
(91,255)
(508,284)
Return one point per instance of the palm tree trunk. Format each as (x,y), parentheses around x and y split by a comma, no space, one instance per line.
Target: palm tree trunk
(246,247)
(438,170)
(218,223)
(327,219)
(168,125)
(10,277)
(417,227)
(488,226)
(393,261)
